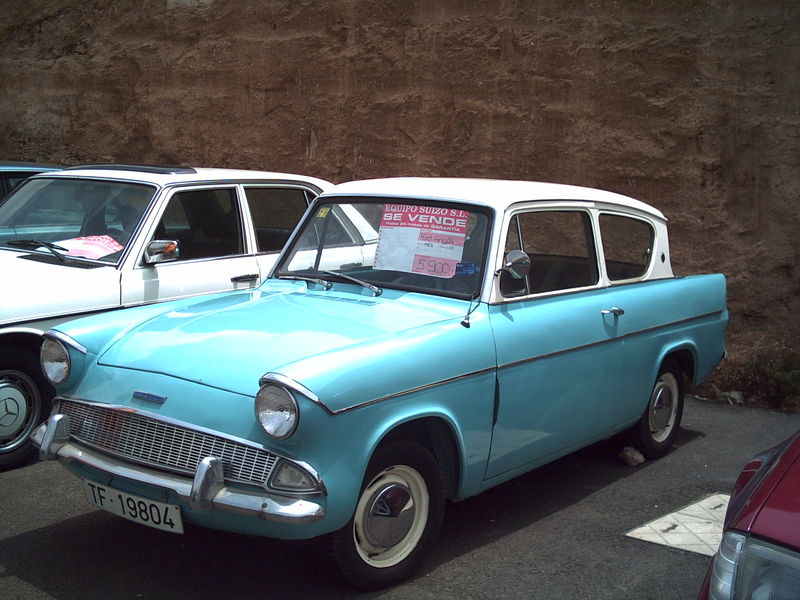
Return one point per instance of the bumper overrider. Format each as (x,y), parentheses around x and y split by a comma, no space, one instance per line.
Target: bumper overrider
(206,490)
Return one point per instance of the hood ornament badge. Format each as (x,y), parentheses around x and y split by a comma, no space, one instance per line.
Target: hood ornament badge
(137,395)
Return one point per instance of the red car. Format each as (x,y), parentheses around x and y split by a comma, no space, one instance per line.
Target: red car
(759,556)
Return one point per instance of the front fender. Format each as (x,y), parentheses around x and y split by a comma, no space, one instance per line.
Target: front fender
(339,446)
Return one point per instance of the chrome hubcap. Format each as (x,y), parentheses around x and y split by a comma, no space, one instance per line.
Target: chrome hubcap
(391,516)
(15,415)
(663,407)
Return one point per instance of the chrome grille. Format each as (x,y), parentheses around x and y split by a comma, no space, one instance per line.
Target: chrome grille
(154,442)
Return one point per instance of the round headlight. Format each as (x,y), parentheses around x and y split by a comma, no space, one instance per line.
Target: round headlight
(276,411)
(55,361)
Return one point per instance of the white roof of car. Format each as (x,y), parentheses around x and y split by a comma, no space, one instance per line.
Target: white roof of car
(165,176)
(497,193)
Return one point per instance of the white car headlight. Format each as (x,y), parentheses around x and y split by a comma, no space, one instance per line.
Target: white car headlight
(276,410)
(55,361)
(747,567)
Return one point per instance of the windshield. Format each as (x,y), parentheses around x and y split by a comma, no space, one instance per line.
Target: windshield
(78,218)
(403,244)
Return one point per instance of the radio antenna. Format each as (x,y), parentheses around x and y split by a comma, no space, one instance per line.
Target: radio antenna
(470,310)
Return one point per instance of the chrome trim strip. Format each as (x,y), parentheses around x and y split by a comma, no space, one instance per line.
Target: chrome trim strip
(292,385)
(65,339)
(29,325)
(242,502)
(606,341)
(414,390)
(517,362)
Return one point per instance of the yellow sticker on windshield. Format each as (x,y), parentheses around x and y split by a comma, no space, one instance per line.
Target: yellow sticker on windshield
(323,212)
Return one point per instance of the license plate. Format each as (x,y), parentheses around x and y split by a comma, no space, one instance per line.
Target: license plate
(160,515)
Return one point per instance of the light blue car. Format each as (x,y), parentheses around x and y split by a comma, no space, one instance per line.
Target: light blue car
(418,340)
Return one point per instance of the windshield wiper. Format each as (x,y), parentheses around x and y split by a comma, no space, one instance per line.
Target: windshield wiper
(373,288)
(34,244)
(324,283)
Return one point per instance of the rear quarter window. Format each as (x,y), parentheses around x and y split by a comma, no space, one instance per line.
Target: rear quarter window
(627,246)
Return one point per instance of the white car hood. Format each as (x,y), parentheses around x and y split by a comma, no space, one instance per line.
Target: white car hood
(38,289)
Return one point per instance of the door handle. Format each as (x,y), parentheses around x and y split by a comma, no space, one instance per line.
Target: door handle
(242,278)
(614,310)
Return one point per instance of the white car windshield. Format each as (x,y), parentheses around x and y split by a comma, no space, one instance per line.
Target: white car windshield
(403,244)
(75,218)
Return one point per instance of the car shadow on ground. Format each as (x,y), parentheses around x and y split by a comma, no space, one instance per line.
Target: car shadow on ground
(536,495)
(98,555)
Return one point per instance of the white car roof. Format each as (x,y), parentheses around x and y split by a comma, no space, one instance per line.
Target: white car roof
(166,175)
(496,193)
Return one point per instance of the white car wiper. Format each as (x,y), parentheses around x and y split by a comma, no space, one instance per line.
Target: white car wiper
(373,288)
(34,244)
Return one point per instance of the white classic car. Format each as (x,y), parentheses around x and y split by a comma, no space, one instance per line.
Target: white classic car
(103,237)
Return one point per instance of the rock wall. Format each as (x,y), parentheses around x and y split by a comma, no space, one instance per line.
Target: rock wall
(691,105)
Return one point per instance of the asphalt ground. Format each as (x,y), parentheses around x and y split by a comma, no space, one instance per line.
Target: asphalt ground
(555,533)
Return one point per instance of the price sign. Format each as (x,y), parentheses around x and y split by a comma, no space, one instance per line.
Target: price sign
(421,239)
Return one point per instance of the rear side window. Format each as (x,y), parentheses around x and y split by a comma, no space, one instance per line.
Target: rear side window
(275,212)
(561,248)
(627,246)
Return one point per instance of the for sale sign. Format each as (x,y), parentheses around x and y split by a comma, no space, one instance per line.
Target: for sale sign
(428,240)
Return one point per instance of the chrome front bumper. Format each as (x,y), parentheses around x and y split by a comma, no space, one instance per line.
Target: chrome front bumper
(205,492)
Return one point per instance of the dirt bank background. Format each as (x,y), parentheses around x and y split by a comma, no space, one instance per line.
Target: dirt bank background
(693,106)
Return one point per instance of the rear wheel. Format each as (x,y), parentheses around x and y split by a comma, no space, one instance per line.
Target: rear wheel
(655,432)
(25,399)
(397,517)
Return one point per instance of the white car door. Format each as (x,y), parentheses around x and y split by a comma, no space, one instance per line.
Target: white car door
(208,225)
(228,236)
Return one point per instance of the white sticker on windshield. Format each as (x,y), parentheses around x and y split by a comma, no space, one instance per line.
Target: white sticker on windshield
(91,246)
(421,239)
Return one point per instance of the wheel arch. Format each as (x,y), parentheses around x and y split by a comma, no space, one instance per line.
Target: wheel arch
(27,337)
(437,433)
(684,355)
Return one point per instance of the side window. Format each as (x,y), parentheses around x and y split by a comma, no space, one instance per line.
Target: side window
(206,223)
(14,179)
(561,247)
(275,212)
(627,246)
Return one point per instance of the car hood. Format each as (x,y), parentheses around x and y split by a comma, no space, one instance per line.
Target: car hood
(230,340)
(44,287)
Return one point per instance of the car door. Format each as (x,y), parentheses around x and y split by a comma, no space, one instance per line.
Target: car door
(556,347)
(208,225)
(273,211)
(629,244)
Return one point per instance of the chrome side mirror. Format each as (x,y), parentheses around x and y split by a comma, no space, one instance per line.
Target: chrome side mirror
(159,251)
(517,264)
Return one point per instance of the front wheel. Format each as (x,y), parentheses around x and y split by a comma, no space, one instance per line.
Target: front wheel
(656,430)
(24,403)
(397,517)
